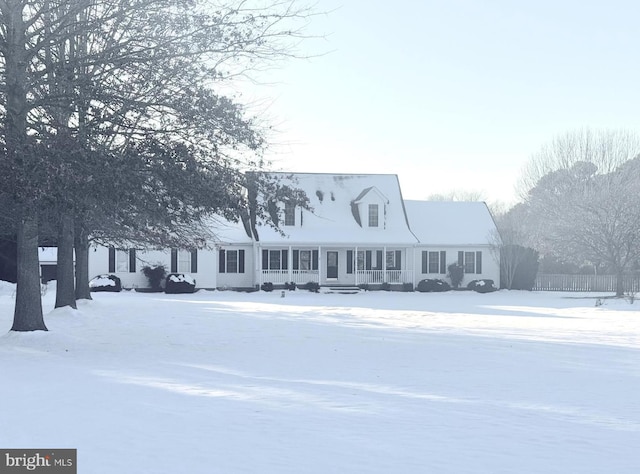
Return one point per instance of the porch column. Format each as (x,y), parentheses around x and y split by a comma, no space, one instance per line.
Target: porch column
(319,264)
(257,258)
(290,265)
(355,265)
(413,266)
(384,264)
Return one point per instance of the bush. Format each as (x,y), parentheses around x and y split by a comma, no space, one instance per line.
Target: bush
(385,286)
(105,283)
(364,286)
(456,274)
(482,286)
(407,287)
(155,275)
(312,286)
(432,285)
(268,286)
(291,286)
(179,283)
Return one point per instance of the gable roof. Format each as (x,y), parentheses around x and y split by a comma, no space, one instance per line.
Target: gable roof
(333,219)
(451,223)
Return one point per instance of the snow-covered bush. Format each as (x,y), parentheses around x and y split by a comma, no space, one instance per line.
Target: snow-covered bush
(267,286)
(432,284)
(105,283)
(179,283)
(312,286)
(482,286)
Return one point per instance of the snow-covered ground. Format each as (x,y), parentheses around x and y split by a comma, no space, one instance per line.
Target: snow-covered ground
(224,382)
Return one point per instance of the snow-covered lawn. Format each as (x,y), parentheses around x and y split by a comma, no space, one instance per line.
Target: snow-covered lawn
(224,382)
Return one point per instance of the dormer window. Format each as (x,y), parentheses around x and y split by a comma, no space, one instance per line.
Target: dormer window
(373,215)
(289,214)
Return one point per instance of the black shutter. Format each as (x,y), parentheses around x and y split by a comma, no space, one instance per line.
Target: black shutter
(398,260)
(174,260)
(461,258)
(112,260)
(194,261)
(132,261)
(425,261)
(265,260)
(296,259)
(379,257)
(443,262)
(240,261)
(367,260)
(478,262)
(222,261)
(314,260)
(285,260)
(349,261)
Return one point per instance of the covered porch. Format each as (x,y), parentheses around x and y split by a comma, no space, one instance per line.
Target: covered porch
(335,265)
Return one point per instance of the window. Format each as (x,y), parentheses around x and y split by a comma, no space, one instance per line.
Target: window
(122,261)
(305,259)
(394,260)
(184,261)
(434,262)
(275,259)
(373,215)
(231,261)
(289,214)
(471,261)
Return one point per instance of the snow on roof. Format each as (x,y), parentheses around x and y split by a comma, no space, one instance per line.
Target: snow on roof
(226,232)
(451,223)
(333,219)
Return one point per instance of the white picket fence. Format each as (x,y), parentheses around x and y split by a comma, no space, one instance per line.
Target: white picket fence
(547,282)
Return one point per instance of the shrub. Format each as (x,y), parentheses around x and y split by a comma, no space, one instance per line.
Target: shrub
(267,286)
(482,286)
(432,285)
(456,274)
(312,286)
(105,283)
(179,283)
(155,275)
(407,287)
(385,286)
(364,286)
(291,286)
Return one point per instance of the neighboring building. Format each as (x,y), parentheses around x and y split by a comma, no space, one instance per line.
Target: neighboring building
(358,231)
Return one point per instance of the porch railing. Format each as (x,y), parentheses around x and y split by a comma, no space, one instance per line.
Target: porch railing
(372,277)
(297,276)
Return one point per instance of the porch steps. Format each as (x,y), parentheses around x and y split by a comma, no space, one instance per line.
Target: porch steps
(344,290)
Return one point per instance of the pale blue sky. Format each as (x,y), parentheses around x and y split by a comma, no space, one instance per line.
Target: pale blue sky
(454,94)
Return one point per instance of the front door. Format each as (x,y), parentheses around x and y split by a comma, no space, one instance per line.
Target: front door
(332,265)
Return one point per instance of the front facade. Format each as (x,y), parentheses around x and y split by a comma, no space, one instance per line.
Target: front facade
(358,231)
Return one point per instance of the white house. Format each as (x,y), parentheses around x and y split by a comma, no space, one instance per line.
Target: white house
(359,231)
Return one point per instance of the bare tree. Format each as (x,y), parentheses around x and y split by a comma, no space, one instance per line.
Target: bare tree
(585,201)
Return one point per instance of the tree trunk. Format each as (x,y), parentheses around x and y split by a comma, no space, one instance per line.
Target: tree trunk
(28,311)
(65,293)
(619,283)
(82,264)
